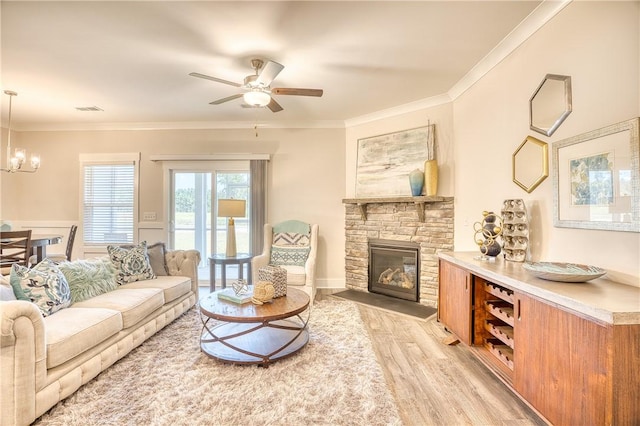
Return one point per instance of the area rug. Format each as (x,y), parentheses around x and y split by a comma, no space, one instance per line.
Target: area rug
(334,380)
(393,304)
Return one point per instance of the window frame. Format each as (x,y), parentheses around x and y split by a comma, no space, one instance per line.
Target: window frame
(108,159)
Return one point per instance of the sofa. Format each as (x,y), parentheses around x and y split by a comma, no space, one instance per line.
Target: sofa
(45,359)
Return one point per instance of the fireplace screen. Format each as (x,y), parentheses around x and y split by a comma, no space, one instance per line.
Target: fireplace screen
(394,268)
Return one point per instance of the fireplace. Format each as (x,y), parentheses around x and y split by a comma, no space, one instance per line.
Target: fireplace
(425,221)
(394,268)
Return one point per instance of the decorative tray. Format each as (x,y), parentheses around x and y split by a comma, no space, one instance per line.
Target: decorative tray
(563,272)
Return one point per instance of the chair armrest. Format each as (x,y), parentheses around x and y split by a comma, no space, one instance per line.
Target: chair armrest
(23,354)
(184,263)
(310,264)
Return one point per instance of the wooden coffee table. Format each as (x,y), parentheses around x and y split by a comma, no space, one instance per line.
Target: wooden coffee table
(254,334)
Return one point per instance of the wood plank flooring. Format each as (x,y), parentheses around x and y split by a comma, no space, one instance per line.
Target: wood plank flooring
(438,384)
(433,383)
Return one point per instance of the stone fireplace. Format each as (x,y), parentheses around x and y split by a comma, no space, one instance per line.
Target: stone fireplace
(422,222)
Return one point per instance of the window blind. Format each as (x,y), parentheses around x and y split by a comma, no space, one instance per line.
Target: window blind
(108,203)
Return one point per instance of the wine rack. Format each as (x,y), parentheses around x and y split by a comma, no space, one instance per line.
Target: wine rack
(496,317)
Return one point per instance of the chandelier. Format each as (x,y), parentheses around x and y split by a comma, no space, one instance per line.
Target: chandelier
(16,161)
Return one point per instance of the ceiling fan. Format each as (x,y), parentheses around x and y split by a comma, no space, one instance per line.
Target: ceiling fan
(257,86)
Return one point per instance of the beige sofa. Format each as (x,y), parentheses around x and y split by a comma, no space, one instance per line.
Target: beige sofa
(46,359)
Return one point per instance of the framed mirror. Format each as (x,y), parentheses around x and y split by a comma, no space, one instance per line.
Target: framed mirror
(530,164)
(550,104)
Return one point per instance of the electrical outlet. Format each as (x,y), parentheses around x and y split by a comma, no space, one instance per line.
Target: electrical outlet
(149,216)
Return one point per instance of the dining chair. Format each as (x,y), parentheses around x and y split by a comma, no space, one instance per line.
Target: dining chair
(15,247)
(59,257)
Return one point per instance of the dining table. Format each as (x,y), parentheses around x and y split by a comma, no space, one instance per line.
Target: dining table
(39,243)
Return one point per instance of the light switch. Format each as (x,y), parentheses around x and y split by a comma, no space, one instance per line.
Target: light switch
(149,216)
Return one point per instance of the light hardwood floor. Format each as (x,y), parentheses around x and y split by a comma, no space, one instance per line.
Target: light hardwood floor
(434,383)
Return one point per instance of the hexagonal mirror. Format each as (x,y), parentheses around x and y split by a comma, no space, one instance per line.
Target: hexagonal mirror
(550,104)
(530,164)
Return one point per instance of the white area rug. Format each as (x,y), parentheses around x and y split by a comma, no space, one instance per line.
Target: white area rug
(334,380)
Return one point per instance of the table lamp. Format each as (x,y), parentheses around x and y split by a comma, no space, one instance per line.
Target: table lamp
(231,208)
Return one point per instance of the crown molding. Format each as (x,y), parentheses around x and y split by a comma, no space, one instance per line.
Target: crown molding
(525,29)
(399,110)
(182,125)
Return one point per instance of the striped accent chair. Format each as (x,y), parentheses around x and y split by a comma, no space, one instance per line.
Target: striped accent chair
(292,245)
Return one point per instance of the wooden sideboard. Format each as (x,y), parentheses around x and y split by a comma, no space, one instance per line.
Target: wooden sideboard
(570,350)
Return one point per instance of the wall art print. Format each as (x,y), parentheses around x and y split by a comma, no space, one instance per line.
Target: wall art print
(385,161)
(592,180)
(596,179)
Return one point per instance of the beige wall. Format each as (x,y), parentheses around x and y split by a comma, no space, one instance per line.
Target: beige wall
(306,177)
(597,44)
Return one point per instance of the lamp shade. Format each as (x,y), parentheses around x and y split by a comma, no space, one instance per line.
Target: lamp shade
(257,98)
(231,208)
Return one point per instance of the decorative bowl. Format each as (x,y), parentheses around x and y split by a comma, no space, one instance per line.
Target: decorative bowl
(563,272)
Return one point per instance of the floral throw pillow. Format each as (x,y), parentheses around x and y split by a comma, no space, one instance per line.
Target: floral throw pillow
(155,253)
(131,264)
(43,285)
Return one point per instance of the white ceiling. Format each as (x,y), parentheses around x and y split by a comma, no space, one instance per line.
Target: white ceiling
(132,59)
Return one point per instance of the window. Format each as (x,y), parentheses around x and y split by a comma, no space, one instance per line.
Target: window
(109,198)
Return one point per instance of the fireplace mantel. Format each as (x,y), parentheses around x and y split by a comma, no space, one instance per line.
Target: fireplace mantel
(419,202)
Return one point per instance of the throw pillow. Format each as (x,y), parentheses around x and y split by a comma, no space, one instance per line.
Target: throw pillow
(290,239)
(43,285)
(289,255)
(89,278)
(6,291)
(131,264)
(156,253)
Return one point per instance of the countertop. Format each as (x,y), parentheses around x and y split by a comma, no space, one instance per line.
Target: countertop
(602,299)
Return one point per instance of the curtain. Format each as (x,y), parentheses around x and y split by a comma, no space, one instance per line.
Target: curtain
(258,179)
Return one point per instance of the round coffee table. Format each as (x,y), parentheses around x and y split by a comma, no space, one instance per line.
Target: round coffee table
(254,334)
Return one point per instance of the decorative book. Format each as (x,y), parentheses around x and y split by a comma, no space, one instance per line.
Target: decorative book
(230,295)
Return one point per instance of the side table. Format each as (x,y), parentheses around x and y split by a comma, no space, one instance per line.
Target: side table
(220,259)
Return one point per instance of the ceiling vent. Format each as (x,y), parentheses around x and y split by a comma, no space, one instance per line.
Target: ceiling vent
(89,108)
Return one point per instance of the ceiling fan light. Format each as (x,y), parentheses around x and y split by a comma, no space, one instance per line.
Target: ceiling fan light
(257,98)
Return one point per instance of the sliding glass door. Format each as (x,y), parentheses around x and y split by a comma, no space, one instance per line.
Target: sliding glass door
(193,210)
(233,185)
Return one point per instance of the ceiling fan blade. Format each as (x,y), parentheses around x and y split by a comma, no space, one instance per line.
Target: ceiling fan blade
(274,106)
(269,72)
(297,92)
(227,99)
(219,80)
